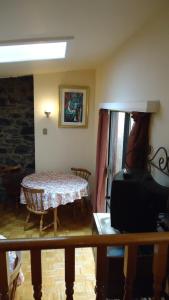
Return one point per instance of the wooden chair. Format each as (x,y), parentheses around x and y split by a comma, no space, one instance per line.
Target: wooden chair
(84,173)
(11,178)
(81,172)
(34,204)
(7,169)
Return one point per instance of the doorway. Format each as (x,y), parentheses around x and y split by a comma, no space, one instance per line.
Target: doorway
(120,124)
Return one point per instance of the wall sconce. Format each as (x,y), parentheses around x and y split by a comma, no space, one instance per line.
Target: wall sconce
(47,113)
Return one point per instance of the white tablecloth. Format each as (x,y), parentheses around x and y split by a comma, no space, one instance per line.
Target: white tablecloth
(58,188)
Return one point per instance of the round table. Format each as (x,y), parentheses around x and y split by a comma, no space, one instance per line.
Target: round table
(59,189)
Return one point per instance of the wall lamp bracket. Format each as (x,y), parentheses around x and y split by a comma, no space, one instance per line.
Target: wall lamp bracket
(47,113)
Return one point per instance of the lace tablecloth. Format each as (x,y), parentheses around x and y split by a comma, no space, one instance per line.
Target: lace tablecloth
(58,188)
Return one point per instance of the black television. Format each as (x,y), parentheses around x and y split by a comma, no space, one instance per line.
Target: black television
(136,201)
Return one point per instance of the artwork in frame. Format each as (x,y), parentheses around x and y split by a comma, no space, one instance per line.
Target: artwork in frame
(73,106)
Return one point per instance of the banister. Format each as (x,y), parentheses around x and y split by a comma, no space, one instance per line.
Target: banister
(130,241)
(85,241)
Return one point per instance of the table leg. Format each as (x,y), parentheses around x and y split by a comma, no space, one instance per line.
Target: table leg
(55,219)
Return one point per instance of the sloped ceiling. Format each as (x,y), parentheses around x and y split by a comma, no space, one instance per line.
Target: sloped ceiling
(99,27)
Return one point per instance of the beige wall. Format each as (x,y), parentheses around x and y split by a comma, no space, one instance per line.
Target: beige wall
(62,148)
(139,72)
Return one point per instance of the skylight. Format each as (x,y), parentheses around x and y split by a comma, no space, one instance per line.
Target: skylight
(32,51)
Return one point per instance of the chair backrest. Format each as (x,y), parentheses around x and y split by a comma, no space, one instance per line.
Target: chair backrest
(34,199)
(81,172)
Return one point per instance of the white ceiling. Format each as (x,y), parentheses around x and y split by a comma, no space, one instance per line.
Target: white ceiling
(99,27)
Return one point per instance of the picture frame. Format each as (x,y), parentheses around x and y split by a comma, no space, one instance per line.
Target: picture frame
(73,106)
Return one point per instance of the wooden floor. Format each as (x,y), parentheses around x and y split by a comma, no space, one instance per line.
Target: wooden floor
(12,226)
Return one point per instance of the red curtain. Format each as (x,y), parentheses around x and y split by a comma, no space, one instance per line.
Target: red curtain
(138,142)
(101,161)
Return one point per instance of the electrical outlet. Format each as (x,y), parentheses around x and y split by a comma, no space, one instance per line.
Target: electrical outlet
(45,131)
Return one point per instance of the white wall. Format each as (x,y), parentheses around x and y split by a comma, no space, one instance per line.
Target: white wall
(62,148)
(140,71)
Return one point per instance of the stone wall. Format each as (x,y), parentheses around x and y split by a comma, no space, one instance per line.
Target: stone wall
(17,122)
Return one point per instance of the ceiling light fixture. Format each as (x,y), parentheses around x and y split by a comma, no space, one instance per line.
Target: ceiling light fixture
(31,50)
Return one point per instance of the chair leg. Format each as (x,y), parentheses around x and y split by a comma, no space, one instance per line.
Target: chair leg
(85,205)
(41,224)
(82,204)
(27,220)
(77,205)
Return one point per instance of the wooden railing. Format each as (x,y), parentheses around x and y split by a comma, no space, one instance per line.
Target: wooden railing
(130,241)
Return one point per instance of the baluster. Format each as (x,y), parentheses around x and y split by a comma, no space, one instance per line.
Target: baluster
(130,260)
(101,266)
(36,271)
(159,268)
(4,290)
(69,272)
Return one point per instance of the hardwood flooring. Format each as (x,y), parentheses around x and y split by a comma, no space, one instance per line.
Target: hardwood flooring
(73,222)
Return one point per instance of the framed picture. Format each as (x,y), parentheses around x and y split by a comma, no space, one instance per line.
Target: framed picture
(73,106)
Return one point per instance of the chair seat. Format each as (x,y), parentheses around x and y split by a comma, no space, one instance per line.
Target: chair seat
(37,212)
